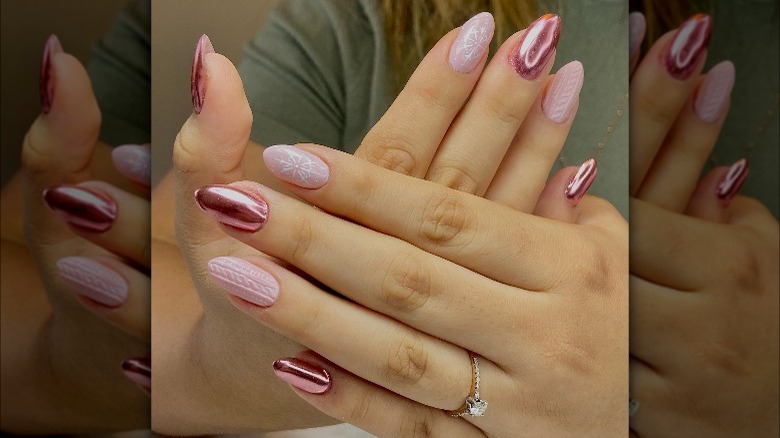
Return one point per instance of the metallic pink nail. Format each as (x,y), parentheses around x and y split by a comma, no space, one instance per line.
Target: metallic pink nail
(714,92)
(233,207)
(537,46)
(139,371)
(296,166)
(732,182)
(303,375)
(563,92)
(93,280)
(688,46)
(134,162)
(637,27)
(198,77)
(581,181)
(244,280)
(46,77)
(471,43)
(82,207)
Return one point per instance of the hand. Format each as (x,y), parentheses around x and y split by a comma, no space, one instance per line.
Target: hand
(704,284)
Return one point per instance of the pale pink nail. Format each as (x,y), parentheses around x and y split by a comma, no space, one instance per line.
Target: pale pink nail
(732,182)
(581,181)
(244,280)
(472,42)
(296,166)
(714,92)
(303,375)
(134,162)
(93,280)
(563,92)
(636,34)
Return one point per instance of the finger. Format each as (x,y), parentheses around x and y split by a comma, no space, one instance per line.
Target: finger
(112,290)
(135,163)
(659,88)
(559,203)
(677,166)
(106,216)
(715,191)
(526,166)
(407,136)
(365,405)
(636,34)
(468,158)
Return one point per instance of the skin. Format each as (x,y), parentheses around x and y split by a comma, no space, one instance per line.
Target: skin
(537,306)
(704,279)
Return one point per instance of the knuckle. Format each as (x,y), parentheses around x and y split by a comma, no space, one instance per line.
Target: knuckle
(302,236)
(455,177)
(407,363)
(566,355)
(307,328)
(360,410)
(185,159)
(407,284)
(365,184)
(416,423)
(391,151)
(656,111)
(745,268)
(506,111)
(434,96)
(447,220)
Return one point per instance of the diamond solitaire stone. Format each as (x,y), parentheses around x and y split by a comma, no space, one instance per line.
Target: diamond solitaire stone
(476,407)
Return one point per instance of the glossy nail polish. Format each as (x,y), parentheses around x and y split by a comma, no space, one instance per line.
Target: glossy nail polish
(93,280)
(134,162)
(244,280)
(714,92)
(562,94)
(82,207)
(303,375)
(636,34)
(537,46)
(732,182)
(139,371)
(296,166)
(198,78)
(472,42)
(46,78)
(688,46)
(581,181)
(232,207)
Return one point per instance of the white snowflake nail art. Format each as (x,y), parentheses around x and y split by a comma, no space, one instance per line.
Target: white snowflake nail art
(296,166)
(472,43)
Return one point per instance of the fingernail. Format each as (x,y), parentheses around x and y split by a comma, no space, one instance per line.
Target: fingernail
(636,34)
(472,42)
(198,78)
(563,92)
(139,371)
(93,280)
(732,182)
(81,207)
(296,166)
(233,207)
(581,181)
(303,375)
(537,46)
(244,280)
(714,92)
(46,78)
(688,46)
(134,162)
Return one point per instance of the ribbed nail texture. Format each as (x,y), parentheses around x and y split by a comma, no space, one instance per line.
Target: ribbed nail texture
(472,42)
(714,92)
(134,162)
(82,207)
(93,280)
(233,207)
(303,375)
(563,92)
(537,46)
(244,280)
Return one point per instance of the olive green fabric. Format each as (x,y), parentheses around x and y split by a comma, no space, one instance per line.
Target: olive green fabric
(319,71)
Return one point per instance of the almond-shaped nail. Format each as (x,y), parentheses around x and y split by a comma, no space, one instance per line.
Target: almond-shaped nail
(688,46)
(637,27)
(563,92)
(46,78)
(233,207)
(472,42)
(732,182)
(537,46)
(296,166)
(714,92)
(134,162)
(198,78)
(581,181)
(81,207)
(93,280)
(139,371)
(244,280)
(303,375)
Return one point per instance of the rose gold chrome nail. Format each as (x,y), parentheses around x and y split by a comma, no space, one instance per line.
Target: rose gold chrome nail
(732,182)
(233,207)
(139,371)
(581,181)
(688,46)
(46,78)
(303,375)
(537,46)
(81,207)
(198,78)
